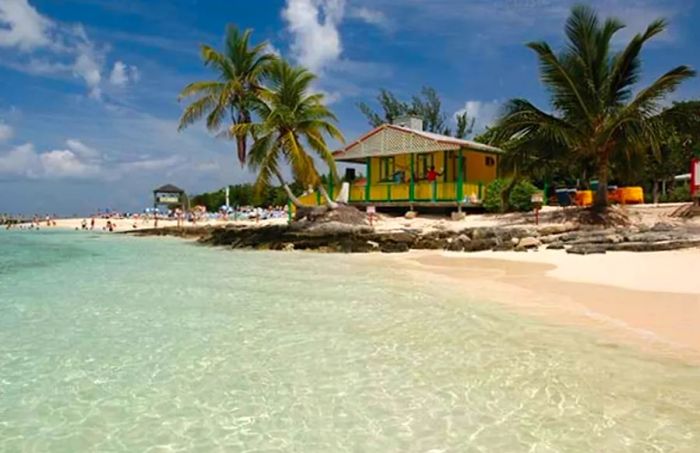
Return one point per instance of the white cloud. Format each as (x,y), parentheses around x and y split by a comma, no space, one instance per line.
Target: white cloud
(505,22)
(122,74)
(21,26)
(6,132)
(483,113)
(20,161)
(66,164)
(314,27)
(77,161)
(370,16)
(25,162)
(53,49)
(82,149)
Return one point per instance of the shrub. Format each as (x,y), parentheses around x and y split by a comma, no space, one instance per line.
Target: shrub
(680,192)
(520,197)
(492,196)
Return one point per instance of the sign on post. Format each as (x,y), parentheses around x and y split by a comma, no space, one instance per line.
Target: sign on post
(695,177)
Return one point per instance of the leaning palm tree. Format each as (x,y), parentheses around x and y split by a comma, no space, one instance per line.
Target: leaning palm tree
(595,112)
(292,121)
(240,69)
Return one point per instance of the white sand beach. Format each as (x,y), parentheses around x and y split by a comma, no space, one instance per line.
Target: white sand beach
(652,299)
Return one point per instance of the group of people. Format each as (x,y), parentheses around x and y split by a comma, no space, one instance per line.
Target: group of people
(34,224)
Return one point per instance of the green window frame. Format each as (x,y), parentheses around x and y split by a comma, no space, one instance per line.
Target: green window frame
(425,161)
(386,169)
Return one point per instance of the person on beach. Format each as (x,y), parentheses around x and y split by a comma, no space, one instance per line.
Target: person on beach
(92,222)
(432,174)
(83,225)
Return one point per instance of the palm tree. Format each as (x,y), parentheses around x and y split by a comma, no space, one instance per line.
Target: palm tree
(291,119)
(595,113)
(240,69)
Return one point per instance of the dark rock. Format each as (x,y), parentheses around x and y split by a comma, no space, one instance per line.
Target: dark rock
(586,249)
(478,245)
(662,227)
(555,246)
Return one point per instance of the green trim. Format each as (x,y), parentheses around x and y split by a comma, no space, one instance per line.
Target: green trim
(460,176)
(318,198)
(369,178)
(412,186)
(481,190)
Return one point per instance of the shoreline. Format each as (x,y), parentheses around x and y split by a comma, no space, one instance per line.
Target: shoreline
(648,299)
(649,318)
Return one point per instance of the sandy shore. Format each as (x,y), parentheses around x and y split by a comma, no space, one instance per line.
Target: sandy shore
(649,299)
(134,225)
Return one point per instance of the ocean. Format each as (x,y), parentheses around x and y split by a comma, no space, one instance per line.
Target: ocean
(114,343)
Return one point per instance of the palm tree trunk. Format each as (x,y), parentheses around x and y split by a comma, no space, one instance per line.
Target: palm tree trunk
(241,145)
(655,191)
(601,198)
(329,201)
(295,201)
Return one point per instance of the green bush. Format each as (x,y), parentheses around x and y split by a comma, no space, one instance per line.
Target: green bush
(520,197)
(492,197)
(680,192)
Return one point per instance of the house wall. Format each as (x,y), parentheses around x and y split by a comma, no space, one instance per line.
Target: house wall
(445,162)
(477,170)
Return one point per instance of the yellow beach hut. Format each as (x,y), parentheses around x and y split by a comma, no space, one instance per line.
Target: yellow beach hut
(398,158)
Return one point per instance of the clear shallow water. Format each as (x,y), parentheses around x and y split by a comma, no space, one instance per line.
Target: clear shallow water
(110,343)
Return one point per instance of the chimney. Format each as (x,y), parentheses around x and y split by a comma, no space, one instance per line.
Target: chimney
(409,121)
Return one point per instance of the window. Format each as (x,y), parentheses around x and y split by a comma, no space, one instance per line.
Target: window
(386,168)
(425,161)
(490,161)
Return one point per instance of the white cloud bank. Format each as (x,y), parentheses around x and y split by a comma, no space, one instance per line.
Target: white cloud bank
(51,48)
(76,161)
(6,132)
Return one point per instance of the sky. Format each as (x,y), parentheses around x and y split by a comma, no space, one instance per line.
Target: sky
(88,88)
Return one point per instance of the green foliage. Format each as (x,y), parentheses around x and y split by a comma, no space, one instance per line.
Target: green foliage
(521,196)
(680,193)
(519,199)
(597,109)
(291,128)
(243,195)
(426,105)
(492,196)
(235,91)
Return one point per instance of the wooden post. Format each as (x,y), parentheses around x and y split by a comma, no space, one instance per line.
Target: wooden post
(369,178)
(412,187)
(460,177)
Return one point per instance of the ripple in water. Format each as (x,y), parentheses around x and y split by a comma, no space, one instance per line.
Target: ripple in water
(119,344)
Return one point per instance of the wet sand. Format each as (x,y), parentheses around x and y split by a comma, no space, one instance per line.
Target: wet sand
(663,313)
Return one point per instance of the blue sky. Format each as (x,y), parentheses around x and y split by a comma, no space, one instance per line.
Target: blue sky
(88,88)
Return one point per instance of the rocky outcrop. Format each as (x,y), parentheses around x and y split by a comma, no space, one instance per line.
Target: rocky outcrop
(333,236)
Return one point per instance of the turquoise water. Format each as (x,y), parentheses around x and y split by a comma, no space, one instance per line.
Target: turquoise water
(110,343)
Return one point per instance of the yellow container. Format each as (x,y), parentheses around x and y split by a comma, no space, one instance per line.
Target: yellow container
(584,197)
(630,195)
